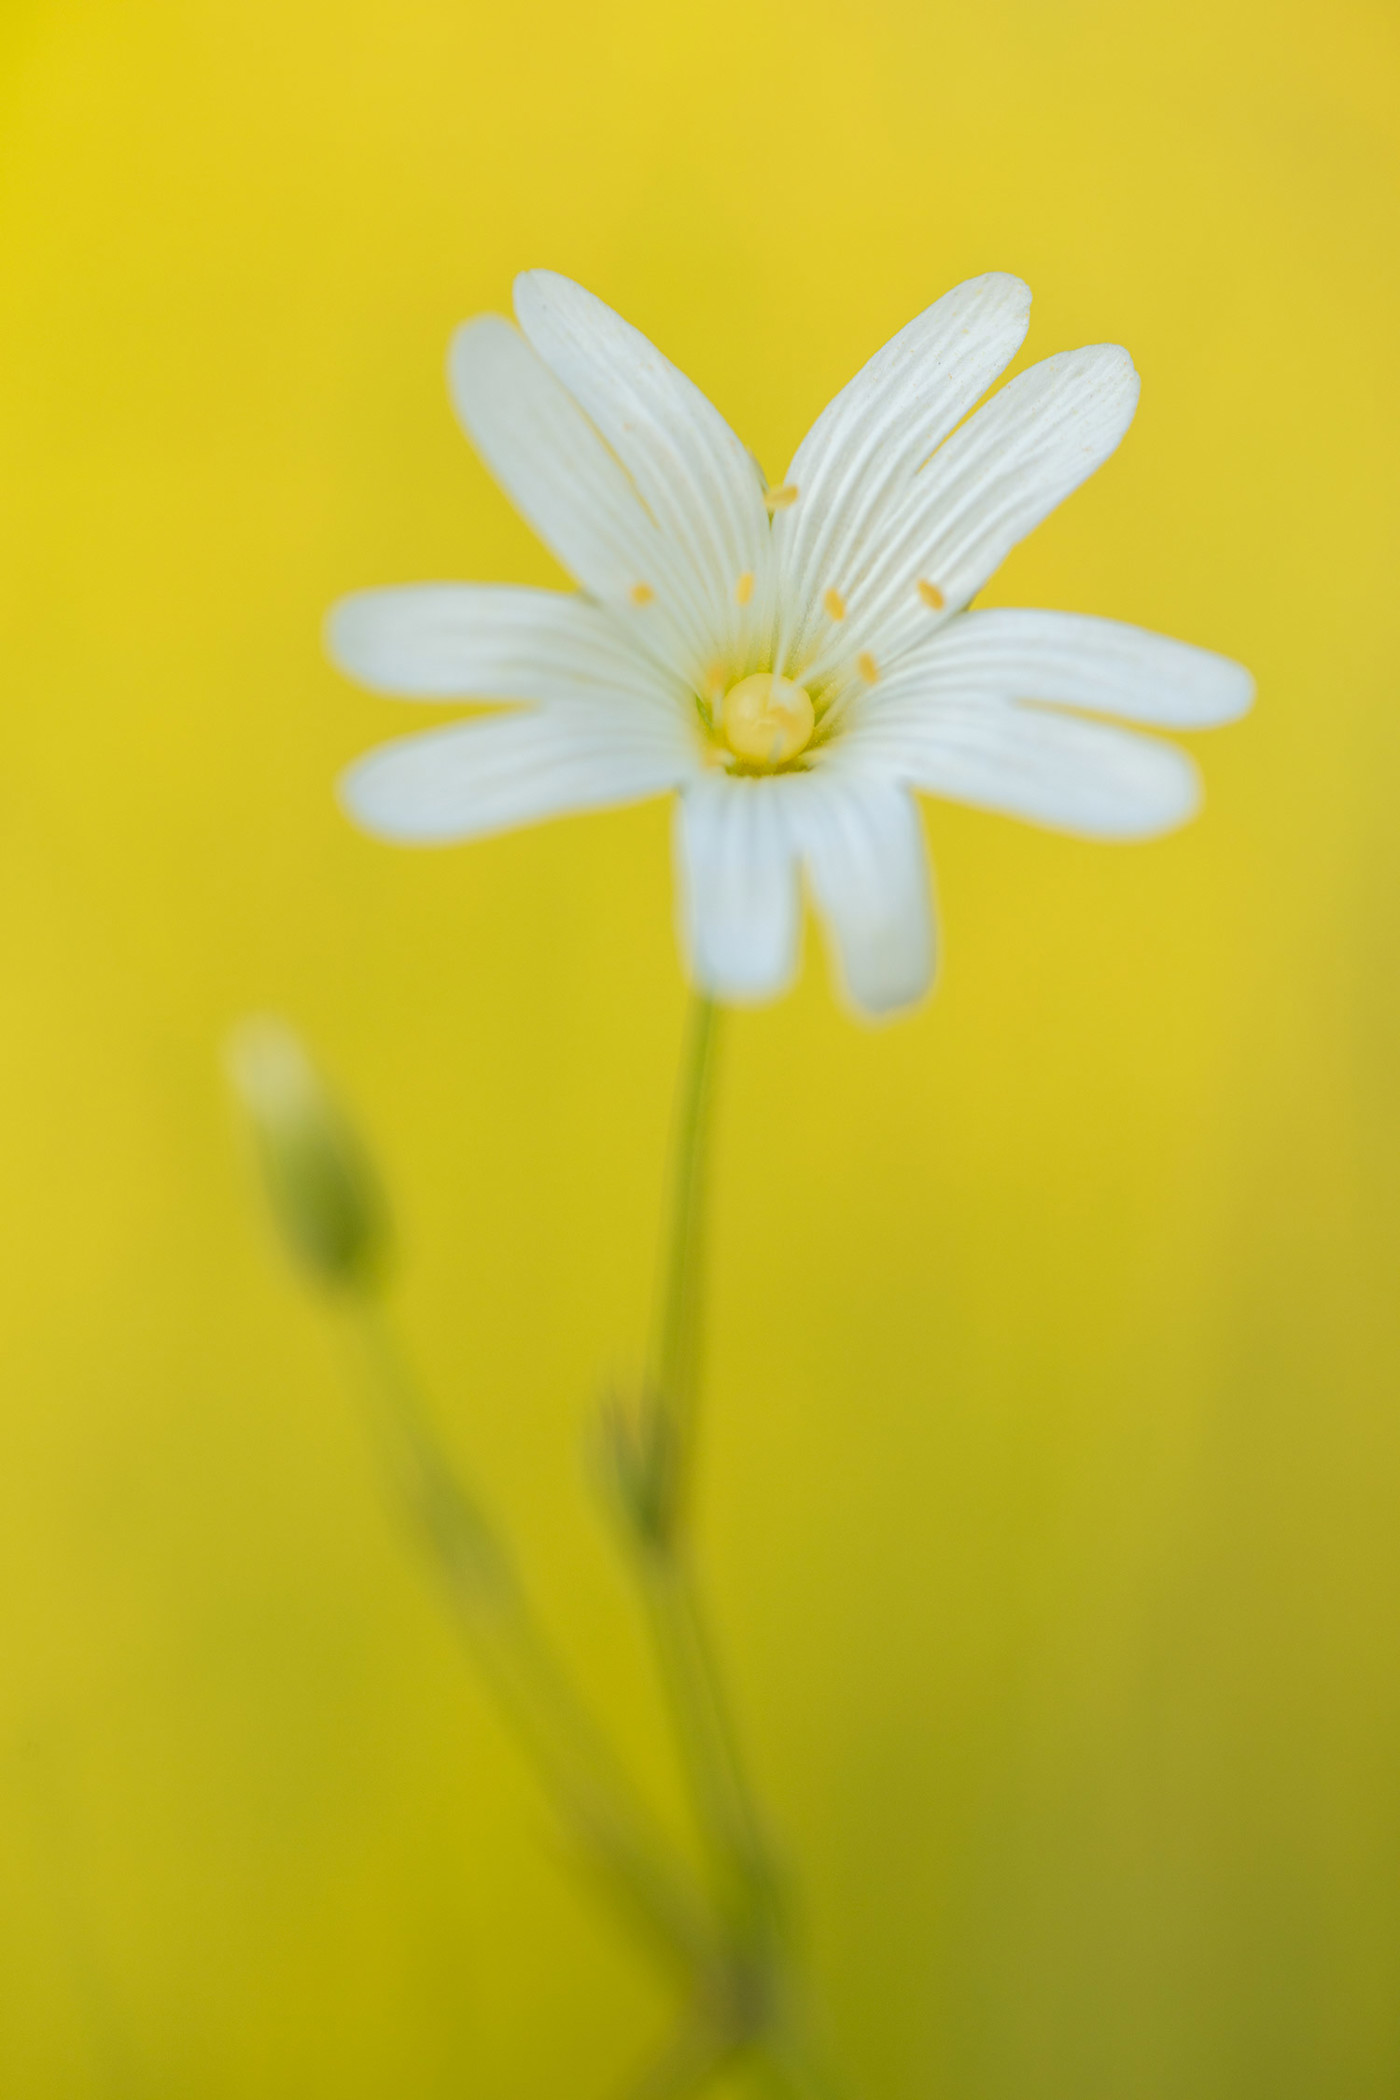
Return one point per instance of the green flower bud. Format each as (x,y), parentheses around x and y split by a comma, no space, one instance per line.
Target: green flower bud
(324,1193)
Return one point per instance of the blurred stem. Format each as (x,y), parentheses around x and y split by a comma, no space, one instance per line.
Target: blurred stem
(657,1503)
(572,1758)
(669,1422)
(722,1799)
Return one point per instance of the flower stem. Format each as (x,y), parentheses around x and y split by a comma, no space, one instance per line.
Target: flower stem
(656,1481)
(723,1801)
(669,1425)
(572,1758)
(746,1882)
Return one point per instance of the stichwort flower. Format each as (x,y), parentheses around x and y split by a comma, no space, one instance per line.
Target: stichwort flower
(792,660)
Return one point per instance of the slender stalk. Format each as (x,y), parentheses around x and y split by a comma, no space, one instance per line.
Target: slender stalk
(746,1882)
(657,1503)
(669,1421)
(723,1801)
(572,1758)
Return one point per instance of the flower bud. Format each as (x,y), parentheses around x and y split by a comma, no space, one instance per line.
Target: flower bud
(324,1193)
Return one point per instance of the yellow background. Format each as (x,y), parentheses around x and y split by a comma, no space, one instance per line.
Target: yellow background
(1053,1469)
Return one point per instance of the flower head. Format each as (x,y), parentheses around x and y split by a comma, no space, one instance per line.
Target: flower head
(792,660)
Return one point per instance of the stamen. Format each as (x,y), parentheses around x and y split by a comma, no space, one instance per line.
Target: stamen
(743,589)
(835,604)
(931,595)
(779,499)
(641,594)
(866,665)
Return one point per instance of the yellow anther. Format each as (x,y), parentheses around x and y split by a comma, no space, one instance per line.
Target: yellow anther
(866,665)
(641,594)
(767,719)
(931,595)
(743,589)
(835,604)
(779,499)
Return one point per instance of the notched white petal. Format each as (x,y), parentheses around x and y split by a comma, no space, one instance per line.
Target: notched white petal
(464,641)
(863,850)
(737,892)
(1029,762)
(476,778)
(557,468)
(993,482)
(863,450)
(694,475)
(1076,660)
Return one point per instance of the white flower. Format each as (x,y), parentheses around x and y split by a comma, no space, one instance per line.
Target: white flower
(793,661)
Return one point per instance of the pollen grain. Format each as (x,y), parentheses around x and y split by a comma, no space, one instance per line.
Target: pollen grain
(780,498)
(641,594)
(834,603)
(743,589)
(933,598)
(867,666)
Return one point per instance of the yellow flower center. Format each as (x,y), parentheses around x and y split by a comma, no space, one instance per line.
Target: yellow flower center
(767,719)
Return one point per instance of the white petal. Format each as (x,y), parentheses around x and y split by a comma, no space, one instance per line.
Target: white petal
(692,472)
(992,482)
(737,889)
(559,471)
(1029,762)
(863,849)
(480,777)
(482,641)
(864,448)
(1103,666)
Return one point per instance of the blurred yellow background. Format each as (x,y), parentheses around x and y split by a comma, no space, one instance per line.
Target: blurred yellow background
(1053,1463)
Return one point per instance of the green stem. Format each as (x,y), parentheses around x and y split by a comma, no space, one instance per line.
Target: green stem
(669,1424)
(723,1801)
(572,1758)
(657,1503)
